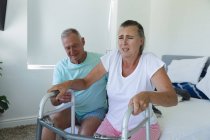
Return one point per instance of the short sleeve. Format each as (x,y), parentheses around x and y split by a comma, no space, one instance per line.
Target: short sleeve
(56,76)
(107,59)
(153,63)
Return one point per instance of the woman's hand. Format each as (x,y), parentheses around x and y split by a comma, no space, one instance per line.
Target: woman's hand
(140,102)
(62,88)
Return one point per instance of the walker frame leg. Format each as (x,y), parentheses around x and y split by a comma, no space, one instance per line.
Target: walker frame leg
(38,130)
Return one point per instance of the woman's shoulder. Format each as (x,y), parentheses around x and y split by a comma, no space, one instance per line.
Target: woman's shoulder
(148,54)
(112,54)
(150,57)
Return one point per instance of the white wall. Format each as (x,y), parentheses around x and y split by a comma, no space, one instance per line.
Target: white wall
(180,27)
(48,18)
(138,10)
(175,27)
(24,88)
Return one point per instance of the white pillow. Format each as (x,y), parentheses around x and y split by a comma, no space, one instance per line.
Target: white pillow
(186,70)
(204,84)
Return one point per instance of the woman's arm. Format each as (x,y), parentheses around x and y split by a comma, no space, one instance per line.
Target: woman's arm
(80,84)
(164,96)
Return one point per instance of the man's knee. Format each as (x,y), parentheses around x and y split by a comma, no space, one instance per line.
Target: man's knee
(61,120)
(89,126)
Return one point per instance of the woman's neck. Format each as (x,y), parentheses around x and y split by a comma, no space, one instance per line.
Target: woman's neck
(131,60)
(129,64)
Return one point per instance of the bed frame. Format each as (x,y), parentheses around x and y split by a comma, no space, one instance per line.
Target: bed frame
(168,58)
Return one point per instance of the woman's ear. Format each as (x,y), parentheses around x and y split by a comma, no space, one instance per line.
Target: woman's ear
(142,40)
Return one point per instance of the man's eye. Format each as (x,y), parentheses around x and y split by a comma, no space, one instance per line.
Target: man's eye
(75,46)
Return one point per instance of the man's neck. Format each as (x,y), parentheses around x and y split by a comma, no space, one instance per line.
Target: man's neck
(82,59)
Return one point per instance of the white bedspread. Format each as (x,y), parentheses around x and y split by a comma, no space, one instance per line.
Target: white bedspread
(189,120)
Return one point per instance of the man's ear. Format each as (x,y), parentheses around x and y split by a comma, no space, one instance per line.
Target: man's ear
(83,40)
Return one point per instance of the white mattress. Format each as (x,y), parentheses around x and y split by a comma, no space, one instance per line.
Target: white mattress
(189,120)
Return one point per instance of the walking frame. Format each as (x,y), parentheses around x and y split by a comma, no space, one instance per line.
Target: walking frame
(43,120)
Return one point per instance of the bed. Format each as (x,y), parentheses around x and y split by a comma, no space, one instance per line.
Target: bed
(189,120)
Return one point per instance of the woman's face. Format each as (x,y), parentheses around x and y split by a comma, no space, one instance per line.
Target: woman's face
(129,41)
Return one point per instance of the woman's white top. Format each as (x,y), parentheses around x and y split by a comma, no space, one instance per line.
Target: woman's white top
(121,89)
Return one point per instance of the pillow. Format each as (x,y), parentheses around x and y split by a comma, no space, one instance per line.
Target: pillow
(204,85)
(192,89)
(186,70)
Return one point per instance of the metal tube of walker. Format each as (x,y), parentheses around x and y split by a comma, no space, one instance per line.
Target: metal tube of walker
(126,120)
(147,113)
(72,112)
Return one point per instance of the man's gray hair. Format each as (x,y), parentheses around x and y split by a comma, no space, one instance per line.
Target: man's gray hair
(69,31)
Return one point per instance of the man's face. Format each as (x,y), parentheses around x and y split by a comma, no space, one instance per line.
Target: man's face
(74,47)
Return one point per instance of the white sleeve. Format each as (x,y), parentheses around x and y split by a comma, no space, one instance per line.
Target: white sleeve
(154,64)
(107,59)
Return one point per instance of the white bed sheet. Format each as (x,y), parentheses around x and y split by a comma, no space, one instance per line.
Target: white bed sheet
(189,120)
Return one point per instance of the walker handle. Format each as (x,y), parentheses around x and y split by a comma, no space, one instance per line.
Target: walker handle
(125,133)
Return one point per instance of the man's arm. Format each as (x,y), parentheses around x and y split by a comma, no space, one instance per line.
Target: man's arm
(57,78)
(80,84)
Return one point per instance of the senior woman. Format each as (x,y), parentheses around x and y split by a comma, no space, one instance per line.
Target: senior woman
(132,78)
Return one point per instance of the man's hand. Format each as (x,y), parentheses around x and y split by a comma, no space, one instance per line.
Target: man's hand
(62,88)
(66,97)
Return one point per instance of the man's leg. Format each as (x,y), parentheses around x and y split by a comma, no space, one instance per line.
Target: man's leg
(89,126)
(91,121)
(61,120)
